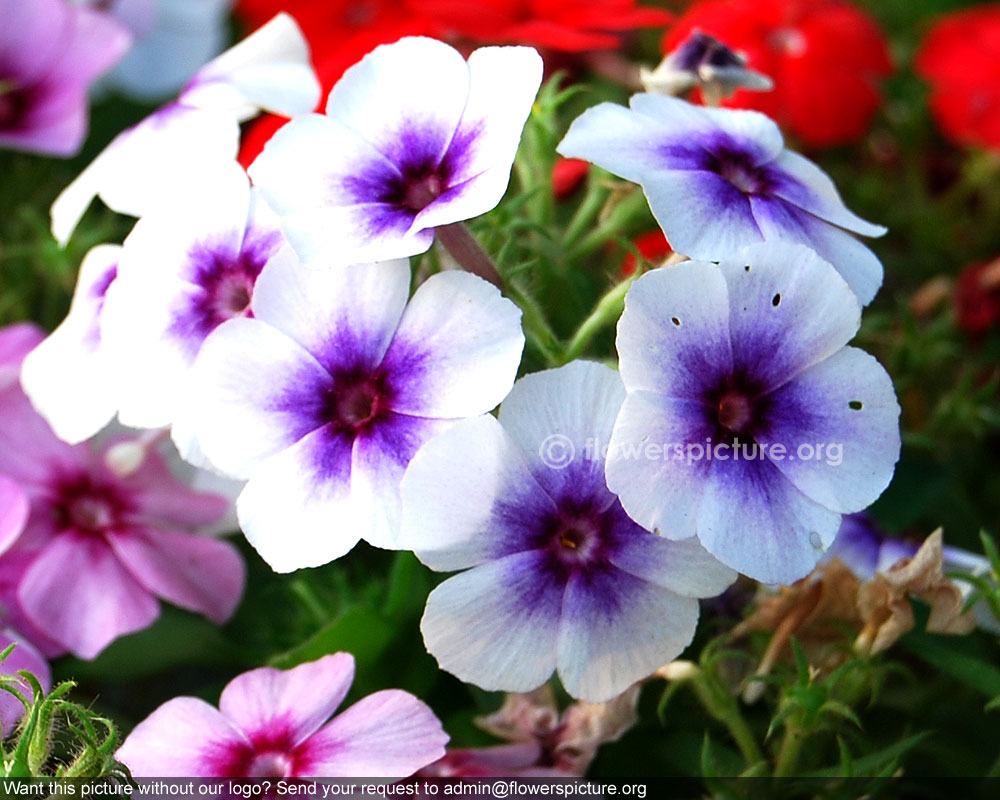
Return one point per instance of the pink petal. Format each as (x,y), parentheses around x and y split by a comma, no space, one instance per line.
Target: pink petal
(78,593)
(16,341)
(161,498)
(13,512)
(191,571)
(13,566)
(287,706)
(184,738)
(389,734)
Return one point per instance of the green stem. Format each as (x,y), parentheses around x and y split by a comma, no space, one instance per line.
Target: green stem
(586,213)
(607,311)
(722,706)
(536,328)
(791,746)
(619,220)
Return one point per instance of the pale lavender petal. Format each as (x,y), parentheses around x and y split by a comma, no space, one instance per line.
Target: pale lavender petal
(573,410)
(788,311)
(673,337)
(389,734)
(297,509)
(469,497)
(754,520)
(457,348)
(857,264)
(184,738)
(684,567)
(70,377)
(344,316)
(379,460)
(194,572)
(29,450)
(258,393)
(23,657)
(496,625)
(16,341)
(78,592)
(657,461)
(839,423)
(617,629)
(287,705)
(805,185)
(857,545)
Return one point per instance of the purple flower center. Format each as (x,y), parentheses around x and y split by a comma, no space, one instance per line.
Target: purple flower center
(13,103)
(420,192)
(357,401)
(232,295)
(577,540)
(272,764)
(738,170)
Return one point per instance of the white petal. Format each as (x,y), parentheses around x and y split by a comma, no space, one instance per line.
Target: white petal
(270,70)
(343,315)
(497,624)
(617,629)
(685,567)
(70,377)
(457,348)
(258,392)
(296,509)
(466,494)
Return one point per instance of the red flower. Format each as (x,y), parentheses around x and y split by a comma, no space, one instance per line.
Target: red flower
(569,26)
(959,58)
(567,175)
(824,56)
(653,247)
(977,297)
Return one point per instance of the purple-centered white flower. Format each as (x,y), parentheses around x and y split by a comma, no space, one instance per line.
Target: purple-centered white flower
(70,377)
(172,38)
(270,724)
(322,398)
(557,575)
(183,271)
(748,423)
(163,157)
(99,547)
(50,53)
(718,180)
(414,138)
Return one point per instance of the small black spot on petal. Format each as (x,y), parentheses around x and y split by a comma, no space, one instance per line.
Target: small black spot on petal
(676,321)
(776,300)
(746,268)
(856,405)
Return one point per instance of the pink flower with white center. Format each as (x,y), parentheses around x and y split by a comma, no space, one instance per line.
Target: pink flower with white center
(270,723)
(165,154)
(414,138)
(50,53)
(100,547)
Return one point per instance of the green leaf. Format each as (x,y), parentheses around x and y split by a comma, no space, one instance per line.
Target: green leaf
(875,763)
(359,630)
(956,657)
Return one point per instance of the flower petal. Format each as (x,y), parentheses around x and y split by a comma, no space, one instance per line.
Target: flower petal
(70,377)
(291,704)
(684,567)
(241,419)
(194,572)
(617,629)
(790,310)
(13,512)
(345,316)
(457,348)
(77,592)
(843,414)
(389,734)
(183,738)
(754,520)
(469,497)
(496,625)
(297,509)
